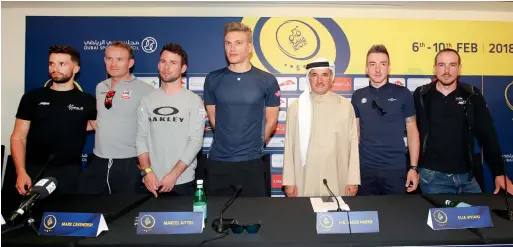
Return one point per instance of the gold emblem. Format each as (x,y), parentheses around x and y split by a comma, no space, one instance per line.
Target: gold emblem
(326,221)
(49,222)
(147,222)
(440,217)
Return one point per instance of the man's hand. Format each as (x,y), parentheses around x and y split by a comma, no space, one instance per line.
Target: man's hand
(291,191)
(499,184)
(23,180)
(167,183)
(351,190)
(413,177)
(151,183)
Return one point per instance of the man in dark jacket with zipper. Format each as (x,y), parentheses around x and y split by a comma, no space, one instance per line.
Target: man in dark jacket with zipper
(450,114)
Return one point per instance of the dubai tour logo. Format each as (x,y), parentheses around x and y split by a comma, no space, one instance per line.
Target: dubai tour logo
(285,45)
(508,93)
(49,222)
(297,39)
(149,44)
(147,222)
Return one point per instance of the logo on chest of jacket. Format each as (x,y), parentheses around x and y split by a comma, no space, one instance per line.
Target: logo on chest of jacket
(126,94)
(72,107)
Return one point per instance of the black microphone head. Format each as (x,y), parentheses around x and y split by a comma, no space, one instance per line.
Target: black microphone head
(238,187)
(325,181)
(44,187)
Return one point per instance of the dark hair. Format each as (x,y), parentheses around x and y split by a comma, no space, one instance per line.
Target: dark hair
(448,50)
(64,49)
(378,49)
(125,46)
(177,49)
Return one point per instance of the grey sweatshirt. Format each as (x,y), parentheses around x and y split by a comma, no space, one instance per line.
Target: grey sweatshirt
(117,126)
(171,128)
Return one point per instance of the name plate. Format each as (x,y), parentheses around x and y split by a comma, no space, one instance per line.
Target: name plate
(170,223)
(364,221)
(332,223)
(72,224)
(459,218)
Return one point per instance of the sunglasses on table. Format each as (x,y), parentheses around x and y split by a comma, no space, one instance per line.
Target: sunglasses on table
(251,228)
(108,99)
(376,106)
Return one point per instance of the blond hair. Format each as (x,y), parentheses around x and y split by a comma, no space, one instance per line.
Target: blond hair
(125,46)
(238,27)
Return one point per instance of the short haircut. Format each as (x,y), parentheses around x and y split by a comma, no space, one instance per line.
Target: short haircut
(64,49)
(448,50)
(378,49)
(238,27)
(125,46)
(177,49)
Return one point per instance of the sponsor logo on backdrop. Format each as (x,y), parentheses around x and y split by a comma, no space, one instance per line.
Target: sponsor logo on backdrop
(280,129)
(342,84)
(283,102)
(414,83)
(360,82)
(302,83)
(152,81)
(276,181)
(286,45)
(287,83)
(508,95)
(149,44)
(100,45)
(207,142)
(508,157)
(397,81)
(196,83)
(277,160)
(276,142)
(282,116)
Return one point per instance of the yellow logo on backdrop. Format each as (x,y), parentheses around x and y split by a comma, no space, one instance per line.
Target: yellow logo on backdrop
(507,92)
(286,45)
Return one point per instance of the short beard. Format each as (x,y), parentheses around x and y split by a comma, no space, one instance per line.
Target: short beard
(62,80)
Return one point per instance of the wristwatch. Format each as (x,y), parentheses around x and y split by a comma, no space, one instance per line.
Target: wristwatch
(414,168)
(145,171)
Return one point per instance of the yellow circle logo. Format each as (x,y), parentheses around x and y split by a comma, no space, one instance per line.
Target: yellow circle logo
(49,222)
(297,39)
(506,96)
(147,221)
(326,221)
(287,45)
(440,217)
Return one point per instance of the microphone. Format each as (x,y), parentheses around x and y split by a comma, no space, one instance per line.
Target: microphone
(220,224)
(333,195)
(508,212)
(40,190)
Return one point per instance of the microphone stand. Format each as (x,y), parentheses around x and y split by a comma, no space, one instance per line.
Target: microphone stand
(29,222)
(333,195)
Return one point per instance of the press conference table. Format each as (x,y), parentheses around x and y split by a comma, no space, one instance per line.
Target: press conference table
(285,222)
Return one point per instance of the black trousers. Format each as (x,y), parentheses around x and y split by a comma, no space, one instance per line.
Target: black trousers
(186,189)
(111,176)
(222,178)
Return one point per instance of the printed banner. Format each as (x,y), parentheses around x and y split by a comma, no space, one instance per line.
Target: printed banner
(283,46)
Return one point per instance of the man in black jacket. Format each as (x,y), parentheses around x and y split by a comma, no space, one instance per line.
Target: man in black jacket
(450,114)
